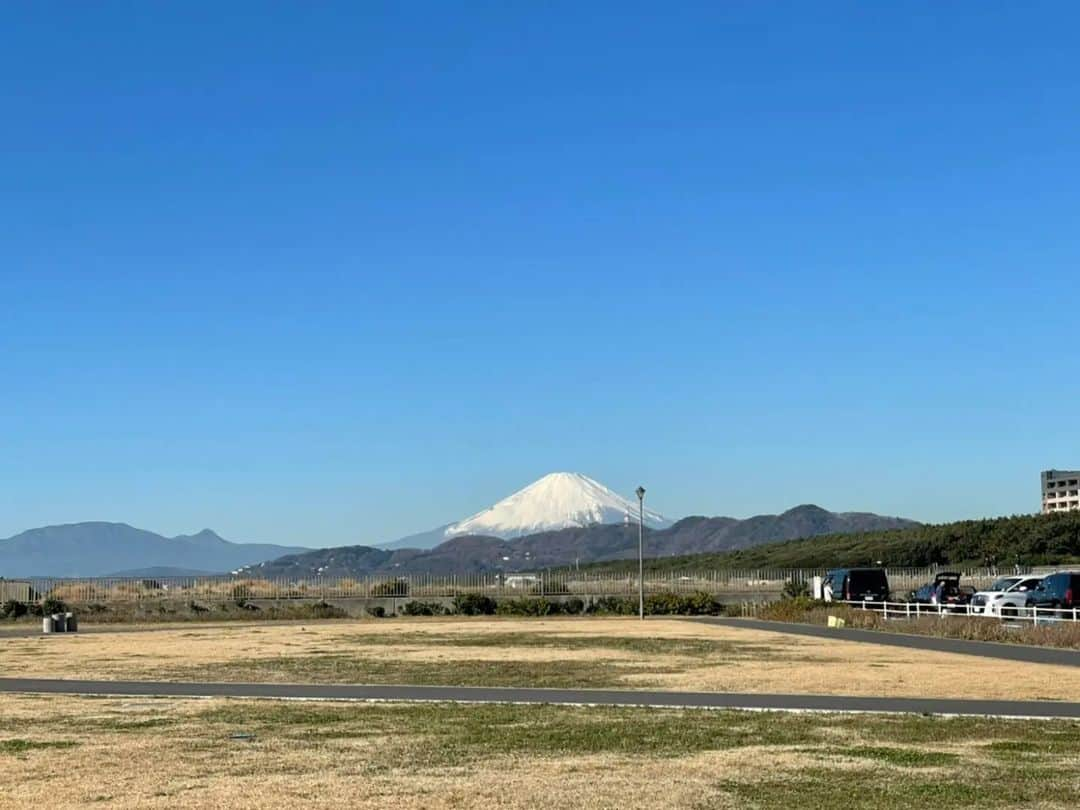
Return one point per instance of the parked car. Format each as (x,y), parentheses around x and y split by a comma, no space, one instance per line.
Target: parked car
(945,591)
(1006,597)
(1059,590)
(856,584)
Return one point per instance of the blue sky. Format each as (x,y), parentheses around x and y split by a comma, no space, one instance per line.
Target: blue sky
(338,272)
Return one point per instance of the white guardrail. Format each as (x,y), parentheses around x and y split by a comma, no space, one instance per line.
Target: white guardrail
(915,610)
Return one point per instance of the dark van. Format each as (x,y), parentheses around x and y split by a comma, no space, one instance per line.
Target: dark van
(857,584)
(1060,590)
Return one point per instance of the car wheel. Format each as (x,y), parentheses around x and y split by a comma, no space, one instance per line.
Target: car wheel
(1008,612)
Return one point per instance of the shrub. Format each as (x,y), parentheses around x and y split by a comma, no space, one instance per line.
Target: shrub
(698,603)
(573,606)
(393,587)
(794,588)
(376,611)
(526,607)
(701,603)
(324,610)
(53,605)
(474,604)
(423,609)
(616,605)
(12,609)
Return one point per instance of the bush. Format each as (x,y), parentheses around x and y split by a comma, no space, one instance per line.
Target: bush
(613,605)
(12,609)
(474,604)
(376,612)
(53,605)
(698,603)
(573,606)
(324,610)
(793,589)
(526,607)
(423,609)
(393,587)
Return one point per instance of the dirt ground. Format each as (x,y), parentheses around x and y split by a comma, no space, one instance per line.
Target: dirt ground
(615,652)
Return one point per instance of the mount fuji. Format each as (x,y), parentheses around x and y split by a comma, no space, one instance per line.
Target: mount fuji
(562,500)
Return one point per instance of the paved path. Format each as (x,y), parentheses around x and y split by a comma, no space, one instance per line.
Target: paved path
(1024,653)
(590,697)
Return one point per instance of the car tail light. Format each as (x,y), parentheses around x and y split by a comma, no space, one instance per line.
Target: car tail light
(1068,597)
(847,591)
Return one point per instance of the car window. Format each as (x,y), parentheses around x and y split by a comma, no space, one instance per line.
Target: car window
(1025,584)
(1004,583)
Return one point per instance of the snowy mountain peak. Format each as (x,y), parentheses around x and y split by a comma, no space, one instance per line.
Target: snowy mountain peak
(559,500)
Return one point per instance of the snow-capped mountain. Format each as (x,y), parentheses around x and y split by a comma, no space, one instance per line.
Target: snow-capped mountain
(560,500)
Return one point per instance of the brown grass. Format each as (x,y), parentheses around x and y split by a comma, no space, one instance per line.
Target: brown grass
(610,652)
(181,753)
(974,628)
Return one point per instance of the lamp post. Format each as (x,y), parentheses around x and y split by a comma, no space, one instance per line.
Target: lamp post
(640,552)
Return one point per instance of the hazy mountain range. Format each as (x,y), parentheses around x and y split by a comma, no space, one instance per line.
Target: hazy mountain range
(103,549)
(558,520)
(471,553)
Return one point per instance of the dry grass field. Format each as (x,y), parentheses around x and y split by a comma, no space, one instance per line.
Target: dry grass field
(92,752)
(571,652)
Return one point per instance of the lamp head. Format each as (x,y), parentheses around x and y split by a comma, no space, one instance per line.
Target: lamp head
(640,493)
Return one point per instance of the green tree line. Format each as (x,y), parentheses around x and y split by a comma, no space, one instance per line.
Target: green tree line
(1025,539)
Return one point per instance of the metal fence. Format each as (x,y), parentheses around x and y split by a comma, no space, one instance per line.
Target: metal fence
(915,610)
(722,582)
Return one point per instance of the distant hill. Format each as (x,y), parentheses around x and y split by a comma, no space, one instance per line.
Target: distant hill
(102,549)
(574,545)
(1026,539)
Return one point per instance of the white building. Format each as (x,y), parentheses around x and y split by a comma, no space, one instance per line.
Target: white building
(1060,491)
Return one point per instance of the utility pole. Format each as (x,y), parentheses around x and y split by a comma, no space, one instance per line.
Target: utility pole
(641,552)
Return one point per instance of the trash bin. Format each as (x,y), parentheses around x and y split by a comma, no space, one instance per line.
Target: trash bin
(59,623)
(72,622)
(46,624)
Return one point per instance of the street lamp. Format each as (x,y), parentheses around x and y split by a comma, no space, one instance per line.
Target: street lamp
(640,552)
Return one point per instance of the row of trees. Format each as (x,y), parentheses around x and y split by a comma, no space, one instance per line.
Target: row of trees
(1025,539)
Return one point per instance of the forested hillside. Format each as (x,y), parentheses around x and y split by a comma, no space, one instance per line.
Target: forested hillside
(1027,539)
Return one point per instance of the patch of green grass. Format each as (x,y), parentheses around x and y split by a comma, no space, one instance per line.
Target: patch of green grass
(688,647)
(376,658)
(18,746)
(129,723)
(904,757)
(445,735)
(345,668)
(789,760)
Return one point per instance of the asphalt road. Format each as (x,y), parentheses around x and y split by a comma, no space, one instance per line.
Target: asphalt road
(576,697)
(985,649)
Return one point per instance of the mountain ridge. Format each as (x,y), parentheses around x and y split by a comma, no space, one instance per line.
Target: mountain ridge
(573,545)
(102,548)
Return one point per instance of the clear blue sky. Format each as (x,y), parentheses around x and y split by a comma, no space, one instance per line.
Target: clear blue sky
(323,273)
